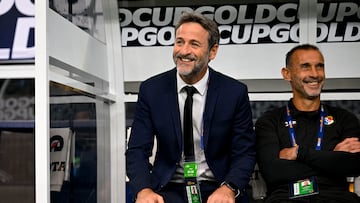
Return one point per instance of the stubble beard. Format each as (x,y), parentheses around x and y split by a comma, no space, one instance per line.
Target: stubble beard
(189,73)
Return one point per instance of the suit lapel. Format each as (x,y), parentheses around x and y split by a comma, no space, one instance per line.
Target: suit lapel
(211,98)
(174,107)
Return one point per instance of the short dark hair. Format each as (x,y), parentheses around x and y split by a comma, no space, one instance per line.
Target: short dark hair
(209,25)
(299,47)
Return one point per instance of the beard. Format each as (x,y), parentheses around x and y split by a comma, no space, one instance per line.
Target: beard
(309,88)
(190,68)
(312,93)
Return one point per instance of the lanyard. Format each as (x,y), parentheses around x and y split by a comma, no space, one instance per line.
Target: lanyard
(292,131)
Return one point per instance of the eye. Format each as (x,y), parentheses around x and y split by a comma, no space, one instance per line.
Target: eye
(320,66)
(195,44)
(305,66)
(179,42)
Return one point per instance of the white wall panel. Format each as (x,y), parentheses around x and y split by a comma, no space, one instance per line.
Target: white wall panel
(342,60)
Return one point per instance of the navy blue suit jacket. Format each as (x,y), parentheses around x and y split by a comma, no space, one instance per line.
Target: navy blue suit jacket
(229,137)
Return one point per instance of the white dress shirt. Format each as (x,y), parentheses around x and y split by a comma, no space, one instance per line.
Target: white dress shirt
(199,100)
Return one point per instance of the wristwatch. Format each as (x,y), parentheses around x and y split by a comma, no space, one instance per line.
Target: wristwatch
(232,187)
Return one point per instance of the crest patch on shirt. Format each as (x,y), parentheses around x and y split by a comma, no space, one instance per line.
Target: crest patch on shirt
(287,124)
(329,120)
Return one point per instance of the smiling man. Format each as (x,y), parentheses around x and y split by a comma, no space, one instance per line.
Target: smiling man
(211,157)
(306,149)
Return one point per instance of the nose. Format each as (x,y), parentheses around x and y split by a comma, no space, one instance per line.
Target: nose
(314,71)
(185,49)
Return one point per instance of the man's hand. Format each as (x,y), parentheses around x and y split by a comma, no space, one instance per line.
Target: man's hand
(351,145)
(289,153)
(222,195)
(147,195)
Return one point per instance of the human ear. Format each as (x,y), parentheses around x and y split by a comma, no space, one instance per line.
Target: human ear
(286,74)
(213,51)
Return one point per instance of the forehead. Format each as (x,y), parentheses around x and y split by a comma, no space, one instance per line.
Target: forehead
(307,56)
(192,30)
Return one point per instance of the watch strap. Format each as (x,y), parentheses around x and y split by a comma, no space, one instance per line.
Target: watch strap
(232,187)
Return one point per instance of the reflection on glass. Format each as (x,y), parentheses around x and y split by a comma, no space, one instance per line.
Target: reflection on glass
(74,133)
(17,141)
(86,14)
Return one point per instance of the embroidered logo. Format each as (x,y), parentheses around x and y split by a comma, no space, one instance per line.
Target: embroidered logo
(287,124)
(329,120)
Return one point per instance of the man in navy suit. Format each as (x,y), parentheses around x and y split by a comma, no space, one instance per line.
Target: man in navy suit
(224,139)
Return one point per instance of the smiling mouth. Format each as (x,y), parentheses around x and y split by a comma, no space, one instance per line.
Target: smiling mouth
(312,82)
(186,58)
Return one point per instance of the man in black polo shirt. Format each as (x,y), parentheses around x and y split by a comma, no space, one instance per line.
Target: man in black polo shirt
(306,149)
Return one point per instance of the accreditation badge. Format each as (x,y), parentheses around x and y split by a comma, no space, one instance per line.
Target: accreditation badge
(190,170)
(303,188)
(191,185)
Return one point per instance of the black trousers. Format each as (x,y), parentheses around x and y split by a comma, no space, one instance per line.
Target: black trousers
(175,192)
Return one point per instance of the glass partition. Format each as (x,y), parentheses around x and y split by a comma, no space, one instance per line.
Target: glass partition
(86,14)
(79,151)
(17,140)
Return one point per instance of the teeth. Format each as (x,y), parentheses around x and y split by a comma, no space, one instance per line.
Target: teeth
(185,59)
(312,82)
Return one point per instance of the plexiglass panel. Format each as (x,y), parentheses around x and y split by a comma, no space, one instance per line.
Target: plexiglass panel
(86,14)
(79,146)
(17,141)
